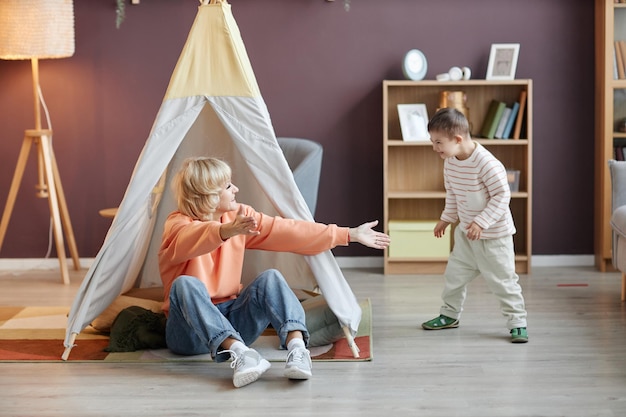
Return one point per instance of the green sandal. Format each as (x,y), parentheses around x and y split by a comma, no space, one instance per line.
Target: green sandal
(441,322)
(519,335)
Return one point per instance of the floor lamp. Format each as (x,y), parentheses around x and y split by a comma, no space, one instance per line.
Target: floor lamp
(40,29)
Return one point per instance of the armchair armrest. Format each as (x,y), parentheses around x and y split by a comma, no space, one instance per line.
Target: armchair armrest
(618,221)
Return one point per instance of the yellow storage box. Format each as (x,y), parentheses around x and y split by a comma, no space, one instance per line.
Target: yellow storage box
(416,239)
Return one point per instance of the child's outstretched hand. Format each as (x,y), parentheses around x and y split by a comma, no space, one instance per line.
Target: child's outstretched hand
(367,236)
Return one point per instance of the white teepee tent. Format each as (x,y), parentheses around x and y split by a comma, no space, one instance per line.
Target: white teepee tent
(212,106)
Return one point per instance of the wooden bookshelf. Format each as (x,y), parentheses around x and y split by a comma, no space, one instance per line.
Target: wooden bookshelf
(610,110)
(413,173)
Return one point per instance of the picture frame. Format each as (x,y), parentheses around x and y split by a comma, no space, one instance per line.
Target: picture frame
(414,122)
(503,61)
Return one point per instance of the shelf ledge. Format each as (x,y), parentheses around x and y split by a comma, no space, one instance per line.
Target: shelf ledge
(484,142)
(435,194)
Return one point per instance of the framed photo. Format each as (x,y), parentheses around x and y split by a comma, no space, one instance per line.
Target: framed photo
(502,61)
(413,122)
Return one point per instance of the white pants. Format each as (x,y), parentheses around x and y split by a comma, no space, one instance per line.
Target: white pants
(494,259)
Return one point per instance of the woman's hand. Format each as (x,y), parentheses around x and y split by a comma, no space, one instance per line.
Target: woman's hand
(367,236)
(242,225)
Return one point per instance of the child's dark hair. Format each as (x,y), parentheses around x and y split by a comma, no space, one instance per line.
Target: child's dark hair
(449,121)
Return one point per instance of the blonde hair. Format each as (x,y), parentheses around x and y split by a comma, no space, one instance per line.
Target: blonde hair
(198,184)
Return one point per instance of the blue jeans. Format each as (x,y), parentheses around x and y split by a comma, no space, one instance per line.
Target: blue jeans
(197,326)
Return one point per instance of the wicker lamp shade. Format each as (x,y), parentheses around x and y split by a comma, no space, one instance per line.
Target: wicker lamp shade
(36,29)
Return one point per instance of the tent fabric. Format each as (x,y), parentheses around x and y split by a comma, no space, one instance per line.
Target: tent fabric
(212,106)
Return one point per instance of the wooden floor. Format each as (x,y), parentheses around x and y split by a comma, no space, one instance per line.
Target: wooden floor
(574,364)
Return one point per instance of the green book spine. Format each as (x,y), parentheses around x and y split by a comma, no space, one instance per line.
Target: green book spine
(489,118)
(496,120)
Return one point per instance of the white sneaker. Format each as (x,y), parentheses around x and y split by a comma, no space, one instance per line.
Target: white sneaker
(248,366)
(298,364)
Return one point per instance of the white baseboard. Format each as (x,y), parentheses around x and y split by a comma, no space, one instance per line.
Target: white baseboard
(342,261)
(18,264)
(562,260)
(359,261)
(536,261)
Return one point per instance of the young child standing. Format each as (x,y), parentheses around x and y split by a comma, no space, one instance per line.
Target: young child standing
(477,197)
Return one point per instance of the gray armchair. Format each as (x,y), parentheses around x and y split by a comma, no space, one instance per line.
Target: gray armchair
(618,218)
(304,157)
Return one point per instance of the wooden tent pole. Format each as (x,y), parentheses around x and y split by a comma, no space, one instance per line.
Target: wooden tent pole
(353,347)
(66,352)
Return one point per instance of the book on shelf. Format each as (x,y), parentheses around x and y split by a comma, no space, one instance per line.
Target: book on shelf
(619,149)
(615,74)
(621,69)
(492,118)
(622,48)
(506,114)
(509,124)
(517,130)
(619,58)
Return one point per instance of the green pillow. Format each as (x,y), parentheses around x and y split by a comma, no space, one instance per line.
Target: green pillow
(321,322)
(137,328)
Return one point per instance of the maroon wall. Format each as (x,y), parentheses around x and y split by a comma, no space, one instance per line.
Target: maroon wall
(320,71)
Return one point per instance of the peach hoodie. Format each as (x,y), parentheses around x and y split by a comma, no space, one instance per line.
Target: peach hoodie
(193,247)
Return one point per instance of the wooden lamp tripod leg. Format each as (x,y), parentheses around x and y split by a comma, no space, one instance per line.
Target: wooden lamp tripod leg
(56,198)
(45,149)
(65,215)
(15,185)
